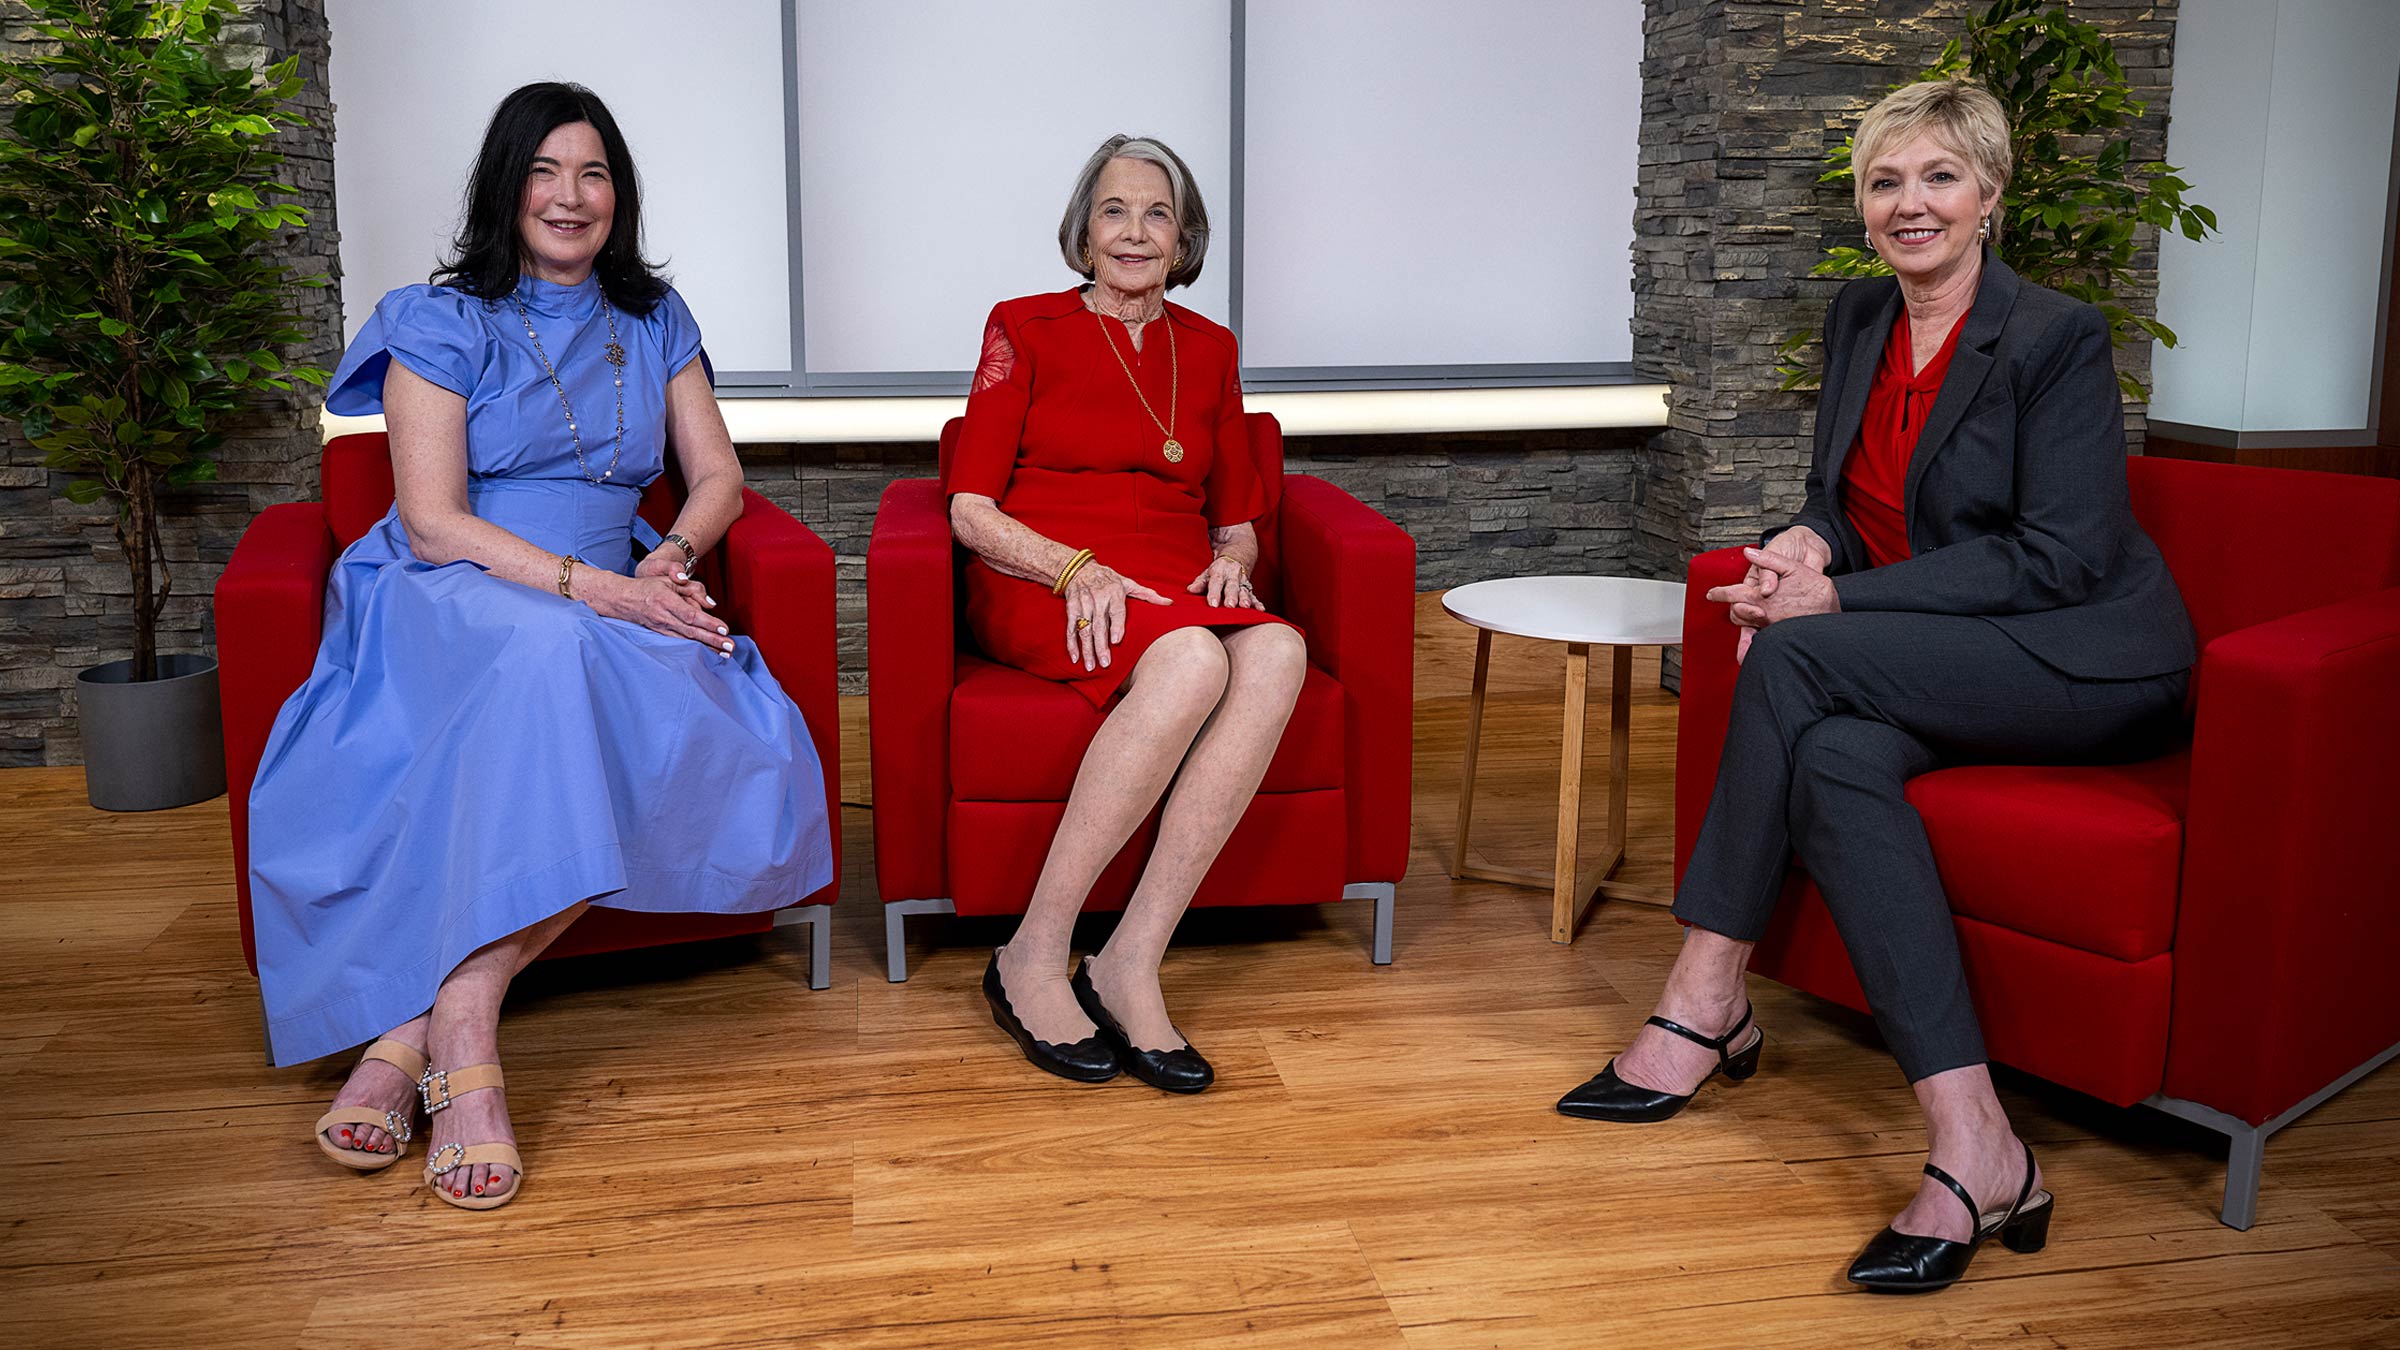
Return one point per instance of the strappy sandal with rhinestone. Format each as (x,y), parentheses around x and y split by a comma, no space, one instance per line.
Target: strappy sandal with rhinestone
(438,1088)
(408,1060)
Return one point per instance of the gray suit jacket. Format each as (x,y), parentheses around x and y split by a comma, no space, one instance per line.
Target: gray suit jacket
(2015,498)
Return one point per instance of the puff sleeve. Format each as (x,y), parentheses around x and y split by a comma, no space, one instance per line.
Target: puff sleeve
(679,336)
(995,423)
(432,330)
(1233,493)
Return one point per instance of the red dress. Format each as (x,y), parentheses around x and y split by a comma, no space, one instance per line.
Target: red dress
(1875,476)
(1055,434)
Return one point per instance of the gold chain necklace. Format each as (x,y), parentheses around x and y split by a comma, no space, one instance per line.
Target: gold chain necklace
(615,352)
(1173,449)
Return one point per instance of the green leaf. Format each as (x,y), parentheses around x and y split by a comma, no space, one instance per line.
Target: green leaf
(84,492)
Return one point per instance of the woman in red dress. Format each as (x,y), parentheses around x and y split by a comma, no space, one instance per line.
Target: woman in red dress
(1105,487)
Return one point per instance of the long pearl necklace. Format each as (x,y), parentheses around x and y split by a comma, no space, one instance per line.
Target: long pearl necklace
(615,352)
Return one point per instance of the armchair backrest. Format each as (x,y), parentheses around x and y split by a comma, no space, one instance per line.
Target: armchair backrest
(2249,544)
(355,476)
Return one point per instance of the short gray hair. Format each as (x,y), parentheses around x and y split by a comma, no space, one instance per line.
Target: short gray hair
(1964,118)
(1191,215)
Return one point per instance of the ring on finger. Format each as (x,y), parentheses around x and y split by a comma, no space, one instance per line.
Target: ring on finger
(1081,624)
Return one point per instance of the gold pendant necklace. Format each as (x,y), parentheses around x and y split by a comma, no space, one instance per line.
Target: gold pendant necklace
(1173,449)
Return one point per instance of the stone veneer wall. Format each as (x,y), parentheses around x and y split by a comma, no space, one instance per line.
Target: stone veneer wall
(64,591)
(1741,99)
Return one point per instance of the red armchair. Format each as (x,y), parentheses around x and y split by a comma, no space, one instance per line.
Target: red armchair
(973,760)
(2204,933)
(772,578)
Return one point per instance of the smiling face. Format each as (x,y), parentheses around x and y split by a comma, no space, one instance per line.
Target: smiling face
(1923,209)
(1132,231)
(570,200)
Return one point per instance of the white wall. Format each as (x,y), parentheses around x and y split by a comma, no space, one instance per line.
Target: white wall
(2282,122)
(1428,182)
(939,140)
(1431,182)
(700,103)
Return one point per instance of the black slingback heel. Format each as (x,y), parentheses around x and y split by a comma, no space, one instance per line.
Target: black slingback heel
(1608,1097)
(1906,1263)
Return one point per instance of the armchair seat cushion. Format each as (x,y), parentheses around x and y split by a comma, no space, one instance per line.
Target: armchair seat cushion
(1016,737)
(2089,856)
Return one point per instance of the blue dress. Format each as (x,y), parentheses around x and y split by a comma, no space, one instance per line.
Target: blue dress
(470,755)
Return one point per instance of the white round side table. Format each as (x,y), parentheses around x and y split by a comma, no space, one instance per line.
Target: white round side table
(1621,613)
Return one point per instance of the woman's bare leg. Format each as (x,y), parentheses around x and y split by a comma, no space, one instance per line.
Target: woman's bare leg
(464,1029)
(1218,779)
(1968,1135)
(380,1086)
(1173,688)
(1705,992)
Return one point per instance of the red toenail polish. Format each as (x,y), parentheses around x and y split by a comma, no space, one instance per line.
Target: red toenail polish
(479,1190)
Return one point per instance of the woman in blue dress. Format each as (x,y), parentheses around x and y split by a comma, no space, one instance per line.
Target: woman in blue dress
(510,719)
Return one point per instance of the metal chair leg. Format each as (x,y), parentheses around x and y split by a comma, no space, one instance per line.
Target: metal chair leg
(2246,1158)
(895,934)
(1383,893)
(819,920)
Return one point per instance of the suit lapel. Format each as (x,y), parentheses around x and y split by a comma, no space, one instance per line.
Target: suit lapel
(1970,362)
(1858,377)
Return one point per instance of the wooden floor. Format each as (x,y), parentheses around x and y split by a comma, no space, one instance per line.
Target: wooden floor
(720,1156)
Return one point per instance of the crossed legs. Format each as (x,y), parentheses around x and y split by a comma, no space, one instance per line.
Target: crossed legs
(1202,712)
(462,1028)
(1832,716)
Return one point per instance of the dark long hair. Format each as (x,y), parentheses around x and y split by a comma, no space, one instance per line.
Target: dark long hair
(488,255)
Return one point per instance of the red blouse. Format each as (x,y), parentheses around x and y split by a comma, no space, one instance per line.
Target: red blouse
(1875,476)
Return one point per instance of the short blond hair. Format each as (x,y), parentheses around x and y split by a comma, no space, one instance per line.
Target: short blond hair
(1964,118)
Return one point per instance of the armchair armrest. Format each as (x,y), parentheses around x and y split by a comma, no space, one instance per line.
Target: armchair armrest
(1706,701)
(2287,917)
(1350,581)
(270,612)
(778,583)
(912,664)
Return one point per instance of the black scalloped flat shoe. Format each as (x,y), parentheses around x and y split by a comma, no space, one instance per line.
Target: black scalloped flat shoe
(1178,1070)
(1608,1097)
(1086,1061)
(1906,1263)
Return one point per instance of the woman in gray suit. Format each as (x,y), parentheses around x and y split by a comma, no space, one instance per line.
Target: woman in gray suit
(1964,582)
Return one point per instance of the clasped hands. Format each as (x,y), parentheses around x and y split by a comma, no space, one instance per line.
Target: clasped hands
(661,596)
(1097,593)
(1786,580)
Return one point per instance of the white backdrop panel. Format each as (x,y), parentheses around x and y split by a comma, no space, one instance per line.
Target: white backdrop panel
(2223,69)
(939,140)
(2322,215)
(700,101)
(2283,125)
(1439,183)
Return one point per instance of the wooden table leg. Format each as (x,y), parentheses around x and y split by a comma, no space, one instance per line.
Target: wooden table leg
(1620,747)
(1564,888)
(1466,785)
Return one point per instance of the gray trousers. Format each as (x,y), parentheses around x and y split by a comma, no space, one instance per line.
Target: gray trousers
(1832,715)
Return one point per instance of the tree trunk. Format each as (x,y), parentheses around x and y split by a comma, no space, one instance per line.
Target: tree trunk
(139,537)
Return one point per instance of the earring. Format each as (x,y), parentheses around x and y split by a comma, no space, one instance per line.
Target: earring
(1984,231)
(1178,261)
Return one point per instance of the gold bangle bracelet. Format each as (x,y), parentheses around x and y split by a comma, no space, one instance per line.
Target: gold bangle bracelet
(566,575)
(1067,573)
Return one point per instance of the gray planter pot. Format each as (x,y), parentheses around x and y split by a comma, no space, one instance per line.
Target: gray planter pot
(151,744)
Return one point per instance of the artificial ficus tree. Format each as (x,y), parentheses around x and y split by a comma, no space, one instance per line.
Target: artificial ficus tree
(143,295)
